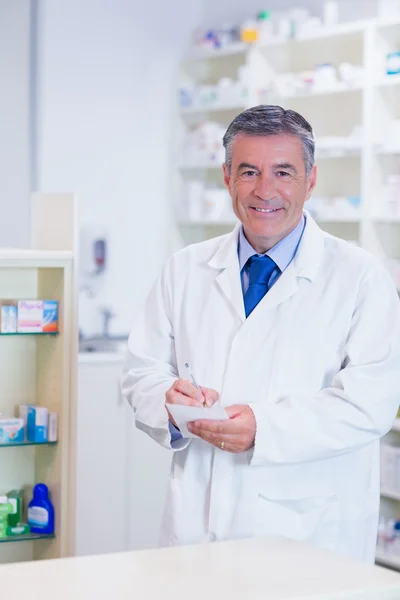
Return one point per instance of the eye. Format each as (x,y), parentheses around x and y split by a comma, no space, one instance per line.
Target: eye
(249,173)
(283,174)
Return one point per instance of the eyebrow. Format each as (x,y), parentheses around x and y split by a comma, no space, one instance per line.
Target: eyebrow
(287,166)
(245,165)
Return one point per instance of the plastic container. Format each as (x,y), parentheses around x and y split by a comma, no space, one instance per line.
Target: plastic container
(249,31)
(393,63)
(265,27)
(331,13)
(41,511)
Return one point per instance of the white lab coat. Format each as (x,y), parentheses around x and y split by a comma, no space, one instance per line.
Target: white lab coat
(318,361)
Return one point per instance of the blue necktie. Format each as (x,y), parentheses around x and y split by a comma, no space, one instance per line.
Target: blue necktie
(261,268)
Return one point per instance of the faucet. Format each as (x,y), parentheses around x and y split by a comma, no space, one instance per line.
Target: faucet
(107,315)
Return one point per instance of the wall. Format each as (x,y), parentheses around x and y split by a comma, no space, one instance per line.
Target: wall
(15,121)
(216,12)
(106,84)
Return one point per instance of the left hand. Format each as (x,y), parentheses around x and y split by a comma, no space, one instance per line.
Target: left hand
(235,434)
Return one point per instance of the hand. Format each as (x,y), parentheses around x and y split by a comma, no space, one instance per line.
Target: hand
(234,435)
(184,392)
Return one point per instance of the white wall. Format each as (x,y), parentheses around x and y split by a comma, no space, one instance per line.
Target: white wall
(15,122)
(106,86)
(217,12)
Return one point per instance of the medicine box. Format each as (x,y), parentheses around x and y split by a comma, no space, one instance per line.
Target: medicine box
(37,316)
(37,425)
(8,316)
(11,430)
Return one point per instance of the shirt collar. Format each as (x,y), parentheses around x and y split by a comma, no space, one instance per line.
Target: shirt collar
(282,253)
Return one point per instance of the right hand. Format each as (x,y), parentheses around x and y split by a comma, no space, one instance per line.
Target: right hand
(184,392)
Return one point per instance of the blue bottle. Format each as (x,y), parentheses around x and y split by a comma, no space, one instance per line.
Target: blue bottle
(41,511)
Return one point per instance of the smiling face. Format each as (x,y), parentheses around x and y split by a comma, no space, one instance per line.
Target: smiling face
(268,185)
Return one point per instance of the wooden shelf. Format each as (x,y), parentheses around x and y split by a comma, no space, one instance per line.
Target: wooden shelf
(387,560)
(27,443)
(32,537)
(386,493)
(40,369)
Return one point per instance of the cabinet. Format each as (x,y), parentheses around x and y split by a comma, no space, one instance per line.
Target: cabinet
(355,120)
(40,369)
(121,474)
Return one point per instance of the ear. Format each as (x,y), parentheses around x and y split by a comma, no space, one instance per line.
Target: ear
(311,182)
(227,178)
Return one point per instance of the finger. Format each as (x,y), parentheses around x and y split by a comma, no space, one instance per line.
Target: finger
(178,398)
(227,426)
(188,389)
(213,438)
(234,411)
(210,396)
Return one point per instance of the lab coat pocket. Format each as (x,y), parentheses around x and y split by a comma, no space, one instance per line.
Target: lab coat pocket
(313,519)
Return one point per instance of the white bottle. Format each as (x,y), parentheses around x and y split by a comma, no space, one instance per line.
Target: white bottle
(331,13)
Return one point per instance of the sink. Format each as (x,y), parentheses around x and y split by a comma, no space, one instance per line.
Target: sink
(109,344)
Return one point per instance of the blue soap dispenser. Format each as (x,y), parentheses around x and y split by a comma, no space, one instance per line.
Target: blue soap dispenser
(41,511)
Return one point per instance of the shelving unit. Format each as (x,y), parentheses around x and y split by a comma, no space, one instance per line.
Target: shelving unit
(40,369)
(27,443)
(386,560)
(373,105)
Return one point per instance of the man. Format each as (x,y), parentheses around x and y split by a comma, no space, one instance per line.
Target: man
(297,333)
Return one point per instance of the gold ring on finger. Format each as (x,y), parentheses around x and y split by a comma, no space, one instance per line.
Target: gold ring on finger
(222,445)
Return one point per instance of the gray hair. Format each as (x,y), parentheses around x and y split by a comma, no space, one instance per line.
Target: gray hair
(271,120)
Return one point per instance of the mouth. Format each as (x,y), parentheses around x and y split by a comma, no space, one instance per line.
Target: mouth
(266,211)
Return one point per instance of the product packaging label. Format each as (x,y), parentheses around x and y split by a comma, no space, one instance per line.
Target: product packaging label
(38,516)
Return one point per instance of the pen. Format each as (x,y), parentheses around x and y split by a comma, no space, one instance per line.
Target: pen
(191,376)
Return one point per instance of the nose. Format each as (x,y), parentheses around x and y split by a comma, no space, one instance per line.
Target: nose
(264,188)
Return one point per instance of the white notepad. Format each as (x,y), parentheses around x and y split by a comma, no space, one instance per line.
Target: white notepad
(186,414)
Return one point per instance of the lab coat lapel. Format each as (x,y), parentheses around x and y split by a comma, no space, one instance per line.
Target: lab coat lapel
(304,265)
(228,279)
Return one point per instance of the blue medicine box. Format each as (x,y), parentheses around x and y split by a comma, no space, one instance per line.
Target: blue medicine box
(37,424)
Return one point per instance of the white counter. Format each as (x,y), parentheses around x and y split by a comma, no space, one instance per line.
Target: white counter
(258,569)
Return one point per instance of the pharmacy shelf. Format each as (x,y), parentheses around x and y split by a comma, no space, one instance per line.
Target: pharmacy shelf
(18,333)
(387,150)
(388,81)
(386,560)
(48,375)
(388,220)
(387,493)
(210,53)
(32,537)
(396,425)
(334,91)
(382,23)
(355,28)
(348,219)
(26,443)
(193,110)
(337,153)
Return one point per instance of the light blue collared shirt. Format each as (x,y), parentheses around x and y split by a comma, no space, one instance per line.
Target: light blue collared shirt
(282,254)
